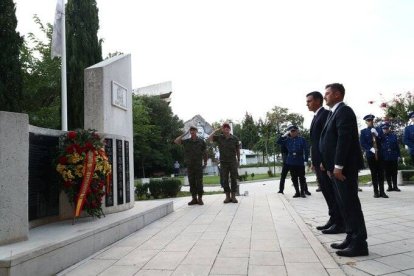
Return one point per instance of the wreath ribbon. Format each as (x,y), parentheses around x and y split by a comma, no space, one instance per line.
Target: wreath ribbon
(88,171)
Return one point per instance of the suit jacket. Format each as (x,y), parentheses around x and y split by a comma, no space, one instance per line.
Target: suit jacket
(316,127)
(339,142)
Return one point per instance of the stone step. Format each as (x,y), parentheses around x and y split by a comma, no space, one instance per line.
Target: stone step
(56,246)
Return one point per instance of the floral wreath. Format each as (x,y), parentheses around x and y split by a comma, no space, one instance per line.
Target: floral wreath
(84,169)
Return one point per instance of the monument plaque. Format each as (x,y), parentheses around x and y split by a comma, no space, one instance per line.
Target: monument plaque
(119,95)
(119,171)
(109,197)
(127,182)
(44,184)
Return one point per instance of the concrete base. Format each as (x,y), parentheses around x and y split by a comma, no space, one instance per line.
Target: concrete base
(54,247)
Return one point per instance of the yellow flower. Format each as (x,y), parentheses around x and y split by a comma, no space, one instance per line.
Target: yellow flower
(75,158)
(60,168)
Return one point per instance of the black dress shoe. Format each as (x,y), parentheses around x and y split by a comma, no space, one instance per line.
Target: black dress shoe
(280,192)
(396,189)
(353,251)
(383,195)
(334,229)
(302,194)
(296,195)
(376,195)
(307,193)
(318,190)
(390,189)
(326,226)
(341,245)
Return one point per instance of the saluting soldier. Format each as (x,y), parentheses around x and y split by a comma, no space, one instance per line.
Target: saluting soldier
(229,149)
(390,152)
(298,153)
(409,136)
(369,140)
(195,152)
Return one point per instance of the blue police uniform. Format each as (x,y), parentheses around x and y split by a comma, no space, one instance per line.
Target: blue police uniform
(374,160)
(390,151)
(298,153)
(409,140)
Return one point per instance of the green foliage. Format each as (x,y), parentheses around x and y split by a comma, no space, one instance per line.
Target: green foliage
(396,110)
(10,64)
(141,190)
(166,187)
(270,173)
(252,175)
(83,50)
(41,79)
(249,133)
(272,127)
(155,128)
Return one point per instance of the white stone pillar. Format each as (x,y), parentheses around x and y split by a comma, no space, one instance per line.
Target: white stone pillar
(14,177)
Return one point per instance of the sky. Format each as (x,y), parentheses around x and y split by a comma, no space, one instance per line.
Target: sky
(229,57)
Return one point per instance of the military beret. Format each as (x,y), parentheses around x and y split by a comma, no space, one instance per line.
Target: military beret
(226,125)
(369,117)
(411,114)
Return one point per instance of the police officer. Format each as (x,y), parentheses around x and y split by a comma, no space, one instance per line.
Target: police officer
(409,136)
(229,149)
(297,157)
(390,152)
(195,151)
(369,139)
(285,169)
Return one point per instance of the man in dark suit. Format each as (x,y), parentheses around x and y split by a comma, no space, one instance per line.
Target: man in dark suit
(335,225)
(342,159)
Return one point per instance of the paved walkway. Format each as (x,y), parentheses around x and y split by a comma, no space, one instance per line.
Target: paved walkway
(265,234)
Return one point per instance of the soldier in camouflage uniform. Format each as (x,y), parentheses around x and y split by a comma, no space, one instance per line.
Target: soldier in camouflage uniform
(229,148)
(195,152)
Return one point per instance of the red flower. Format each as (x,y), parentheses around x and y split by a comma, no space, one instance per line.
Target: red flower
(71,135)
(69,149)
(89,146)
(63,160)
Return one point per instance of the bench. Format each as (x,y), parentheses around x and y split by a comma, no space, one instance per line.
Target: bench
(400,180)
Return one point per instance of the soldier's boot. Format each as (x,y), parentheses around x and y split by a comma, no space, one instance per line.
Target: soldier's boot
(200,200)
(382,193)
(193,201)
(228,199)
(390,189)
(376,193)
(233,197)
(297,194)
(302,190)
(395,188)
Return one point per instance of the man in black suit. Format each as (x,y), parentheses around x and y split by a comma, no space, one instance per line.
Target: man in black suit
(342,159)
(335,225)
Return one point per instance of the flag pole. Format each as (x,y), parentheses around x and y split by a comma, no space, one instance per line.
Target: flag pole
(63,74)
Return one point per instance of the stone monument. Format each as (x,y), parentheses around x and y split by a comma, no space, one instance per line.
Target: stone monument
(108,109)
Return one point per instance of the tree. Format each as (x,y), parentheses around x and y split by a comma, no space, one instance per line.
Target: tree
(155,128)
(272,127)
(83,50)
(10,66)
(41,80)
(249,133)
(397,110)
